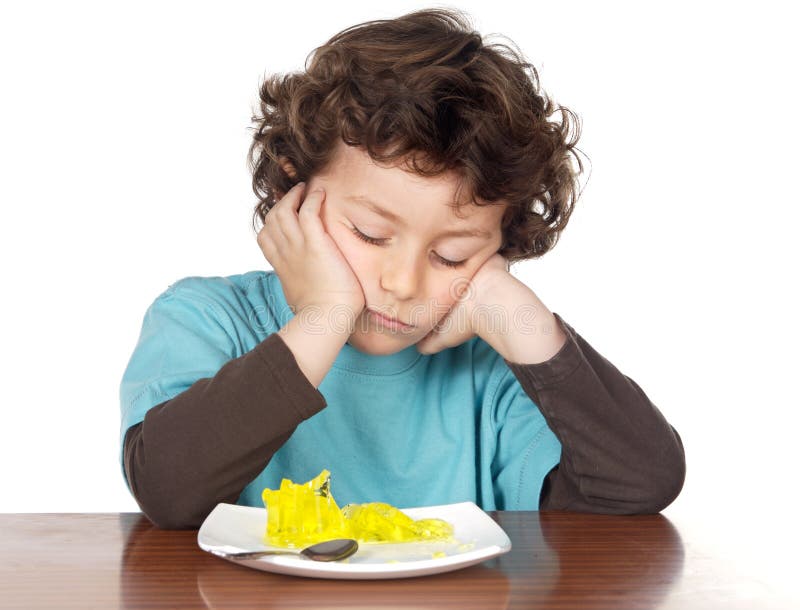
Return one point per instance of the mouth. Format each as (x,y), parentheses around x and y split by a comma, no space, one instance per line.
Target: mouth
(393,323)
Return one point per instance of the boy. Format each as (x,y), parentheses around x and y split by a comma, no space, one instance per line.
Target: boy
(398,176)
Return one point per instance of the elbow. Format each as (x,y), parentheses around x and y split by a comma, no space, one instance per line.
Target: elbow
(667,489)
(171,519)
(169,513)
(662,480)
(664,483)
(648,487)
(161,506)
(152,486)
(673,474)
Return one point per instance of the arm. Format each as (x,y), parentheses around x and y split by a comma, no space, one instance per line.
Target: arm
(619,454)
(207,443)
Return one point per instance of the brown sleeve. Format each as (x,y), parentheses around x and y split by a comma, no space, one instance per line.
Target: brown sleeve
(206,444)
(618,453)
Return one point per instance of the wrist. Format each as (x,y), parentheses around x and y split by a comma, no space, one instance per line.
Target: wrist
(327,319)
(517,324)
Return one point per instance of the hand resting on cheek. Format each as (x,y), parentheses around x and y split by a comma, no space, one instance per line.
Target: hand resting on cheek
(460,323)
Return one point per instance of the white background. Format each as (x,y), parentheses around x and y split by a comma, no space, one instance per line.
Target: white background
(123,136)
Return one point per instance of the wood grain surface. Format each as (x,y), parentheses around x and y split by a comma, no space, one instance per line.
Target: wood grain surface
(559,560)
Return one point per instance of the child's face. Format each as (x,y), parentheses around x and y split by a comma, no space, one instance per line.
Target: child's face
(405,277)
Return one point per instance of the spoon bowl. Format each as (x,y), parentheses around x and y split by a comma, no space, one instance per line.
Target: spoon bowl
(330,550)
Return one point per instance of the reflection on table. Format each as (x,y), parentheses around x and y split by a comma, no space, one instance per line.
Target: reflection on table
(558,560)
(593,559)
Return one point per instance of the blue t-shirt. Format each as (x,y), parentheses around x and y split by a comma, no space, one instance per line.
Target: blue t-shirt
(408,429)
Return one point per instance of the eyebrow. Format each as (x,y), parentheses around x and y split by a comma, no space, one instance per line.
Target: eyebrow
(389,215)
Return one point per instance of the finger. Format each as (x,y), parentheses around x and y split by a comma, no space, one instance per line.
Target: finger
(286,200)
(287,219)
(437,341)
(310,221)
(272,242)
(427,345)
(453,329)
(268,225)
(294,198)
(433,341)
(287,204)
(278,236)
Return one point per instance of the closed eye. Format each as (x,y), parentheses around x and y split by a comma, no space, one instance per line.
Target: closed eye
(380,242)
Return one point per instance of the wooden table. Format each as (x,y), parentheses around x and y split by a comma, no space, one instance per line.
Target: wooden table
(558,561)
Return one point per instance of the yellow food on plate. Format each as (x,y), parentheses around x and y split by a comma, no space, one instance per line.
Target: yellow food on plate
(301,514)
(381,522)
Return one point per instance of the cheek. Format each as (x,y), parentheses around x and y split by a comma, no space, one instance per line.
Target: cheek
(353,252)
(441,301)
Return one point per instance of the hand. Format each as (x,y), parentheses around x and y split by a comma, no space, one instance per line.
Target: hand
(312,269)
(458,325)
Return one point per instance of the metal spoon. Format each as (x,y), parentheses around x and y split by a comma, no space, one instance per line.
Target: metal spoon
(330,550)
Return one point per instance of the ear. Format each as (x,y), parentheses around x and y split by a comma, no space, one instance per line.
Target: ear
(290,170)
(288,167)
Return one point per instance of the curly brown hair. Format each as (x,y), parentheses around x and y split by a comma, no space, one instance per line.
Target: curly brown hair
(425,90)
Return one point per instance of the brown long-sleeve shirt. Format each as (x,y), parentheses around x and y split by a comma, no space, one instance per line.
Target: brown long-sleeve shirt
(618,453)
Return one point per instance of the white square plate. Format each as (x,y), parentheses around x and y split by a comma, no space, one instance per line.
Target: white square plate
(232,528)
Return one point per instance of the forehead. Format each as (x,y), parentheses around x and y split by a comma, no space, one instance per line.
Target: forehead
(396,193)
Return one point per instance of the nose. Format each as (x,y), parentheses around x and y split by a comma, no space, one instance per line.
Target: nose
(400,276)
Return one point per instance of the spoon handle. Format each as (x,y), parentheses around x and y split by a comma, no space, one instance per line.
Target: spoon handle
(251,554)
(330,550)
